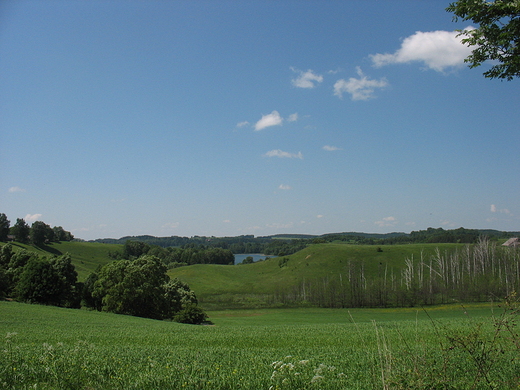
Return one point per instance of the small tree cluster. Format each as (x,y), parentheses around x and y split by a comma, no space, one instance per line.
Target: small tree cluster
(27,277)
(141,287)
(38,233)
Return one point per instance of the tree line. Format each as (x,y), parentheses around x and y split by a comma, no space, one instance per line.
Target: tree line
(39,233)
(477,272)
(282,245)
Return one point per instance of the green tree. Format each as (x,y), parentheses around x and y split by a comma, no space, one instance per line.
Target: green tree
(49,282)
(248,260)
(88,288)
(177,296)
(70,296)
(497,36)
(134,249)
(6,252)
(4,283)
(21,230)
(61,234)
(39,283)
(133,287)
(4,227)
(138,287)
(41,233)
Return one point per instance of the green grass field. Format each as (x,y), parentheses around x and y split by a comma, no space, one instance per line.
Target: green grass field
(54,348)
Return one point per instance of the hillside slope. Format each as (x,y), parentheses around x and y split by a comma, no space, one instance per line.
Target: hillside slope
(86,256)
(250,284)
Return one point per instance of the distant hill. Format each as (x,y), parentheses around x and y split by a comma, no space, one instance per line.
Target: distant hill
(256,244)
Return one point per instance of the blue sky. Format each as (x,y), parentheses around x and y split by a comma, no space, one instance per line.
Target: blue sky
(255,117)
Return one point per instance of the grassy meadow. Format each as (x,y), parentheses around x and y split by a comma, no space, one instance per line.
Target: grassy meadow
(251,285)
(447,347)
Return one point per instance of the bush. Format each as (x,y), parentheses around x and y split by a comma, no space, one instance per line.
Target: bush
(191,314)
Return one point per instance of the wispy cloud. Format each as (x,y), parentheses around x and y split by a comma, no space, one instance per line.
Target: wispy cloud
(494,209)
(284,187)
(282,154)
(307,79)
(359,89)
(272,119)
(242,124)
(438,50)
(32,217)
(386,222)
(16,189)
(330,148)
(293,117)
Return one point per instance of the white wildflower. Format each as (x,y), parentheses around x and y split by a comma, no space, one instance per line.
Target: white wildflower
(316,378)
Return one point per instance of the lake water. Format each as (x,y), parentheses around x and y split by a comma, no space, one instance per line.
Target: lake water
(256,257)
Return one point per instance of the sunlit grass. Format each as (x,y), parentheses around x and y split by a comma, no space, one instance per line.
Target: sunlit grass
(55,348)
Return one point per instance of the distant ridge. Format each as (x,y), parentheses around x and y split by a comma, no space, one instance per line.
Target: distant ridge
(428,235)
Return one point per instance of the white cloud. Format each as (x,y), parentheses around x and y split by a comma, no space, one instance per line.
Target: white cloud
(284,187)
(330,148)
(388,221)
(319,216)
(32,218)
(494,209)
(306,79)
(359,89)
(293,117)
(272,119)
(242,124)
(282,154)
(16,189)
(437,49)
(226,221)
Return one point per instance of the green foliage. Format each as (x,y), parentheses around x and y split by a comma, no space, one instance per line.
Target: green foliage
(497,36)
(248,260)
(21,230)
(178,295)
(6,252)
(138,287)
(4,227)
(190,314)
(134,249)
(41,233)
(48,282)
